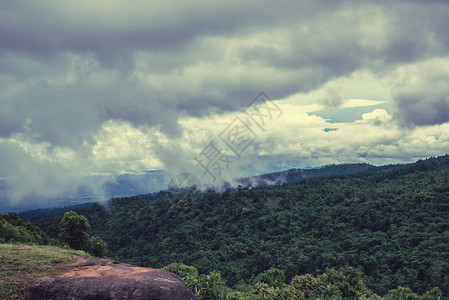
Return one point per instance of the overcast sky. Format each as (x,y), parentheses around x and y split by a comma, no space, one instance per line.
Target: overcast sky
(107,87)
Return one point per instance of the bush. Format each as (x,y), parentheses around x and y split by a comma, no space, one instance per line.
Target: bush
(303,286)
(406,293)
(97,247)
(206,287)
(347,280)
(181,270)
(15,230)
(273,277)
(344,283)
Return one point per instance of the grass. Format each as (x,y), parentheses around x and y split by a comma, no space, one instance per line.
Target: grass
(21,264)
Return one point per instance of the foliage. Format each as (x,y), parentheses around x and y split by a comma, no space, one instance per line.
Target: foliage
(344,283)
(70,229)
(15,230)
(304,286)
(207,287)
(97,247)
(73,230)
(347,282)
(181,270)
(272,277)
(405,293)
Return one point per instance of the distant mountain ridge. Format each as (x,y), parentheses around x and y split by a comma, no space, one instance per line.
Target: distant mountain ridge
(269,179)
(295,175)
(155,183)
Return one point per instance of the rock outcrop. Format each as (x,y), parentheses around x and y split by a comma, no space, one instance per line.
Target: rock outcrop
(96,278)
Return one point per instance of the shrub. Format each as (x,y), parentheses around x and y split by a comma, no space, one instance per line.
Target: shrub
(273,277)
(97,247)
(206,287)
(181,270)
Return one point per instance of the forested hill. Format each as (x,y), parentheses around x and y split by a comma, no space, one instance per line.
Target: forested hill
(392,224)
(269,179)
(295,175)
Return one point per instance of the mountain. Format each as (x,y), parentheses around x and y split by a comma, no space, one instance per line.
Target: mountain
(153,184)
(103,187)
(295,175)
(157,183)
(135,184)
(390,222)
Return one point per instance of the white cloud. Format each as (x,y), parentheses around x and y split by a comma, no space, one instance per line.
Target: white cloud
(360,103)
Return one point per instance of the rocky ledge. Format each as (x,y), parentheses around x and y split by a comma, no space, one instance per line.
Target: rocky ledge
(96,278)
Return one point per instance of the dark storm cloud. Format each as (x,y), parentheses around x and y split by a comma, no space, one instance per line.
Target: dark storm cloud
(322,40)
(106,27)
(44,40)
(361,34)
(71,115)
(425,101)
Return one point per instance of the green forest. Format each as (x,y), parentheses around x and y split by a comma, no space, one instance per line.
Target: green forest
(390,224)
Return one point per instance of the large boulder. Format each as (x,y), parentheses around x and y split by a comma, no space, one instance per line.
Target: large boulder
(96,278)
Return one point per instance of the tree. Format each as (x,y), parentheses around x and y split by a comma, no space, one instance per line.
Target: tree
(206,287)
(273,277)
(73,230)
(97,247)
(13,229)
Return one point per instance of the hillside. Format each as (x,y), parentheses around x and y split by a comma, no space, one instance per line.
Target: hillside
(391,224)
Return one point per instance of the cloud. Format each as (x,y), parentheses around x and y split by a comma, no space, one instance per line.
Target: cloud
(33,174)
(300,139)
(333,100)
(424,98)
(119,86)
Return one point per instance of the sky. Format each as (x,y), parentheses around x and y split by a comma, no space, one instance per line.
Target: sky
(217,89)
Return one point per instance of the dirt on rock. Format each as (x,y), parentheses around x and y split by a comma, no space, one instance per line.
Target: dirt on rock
(97,278)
